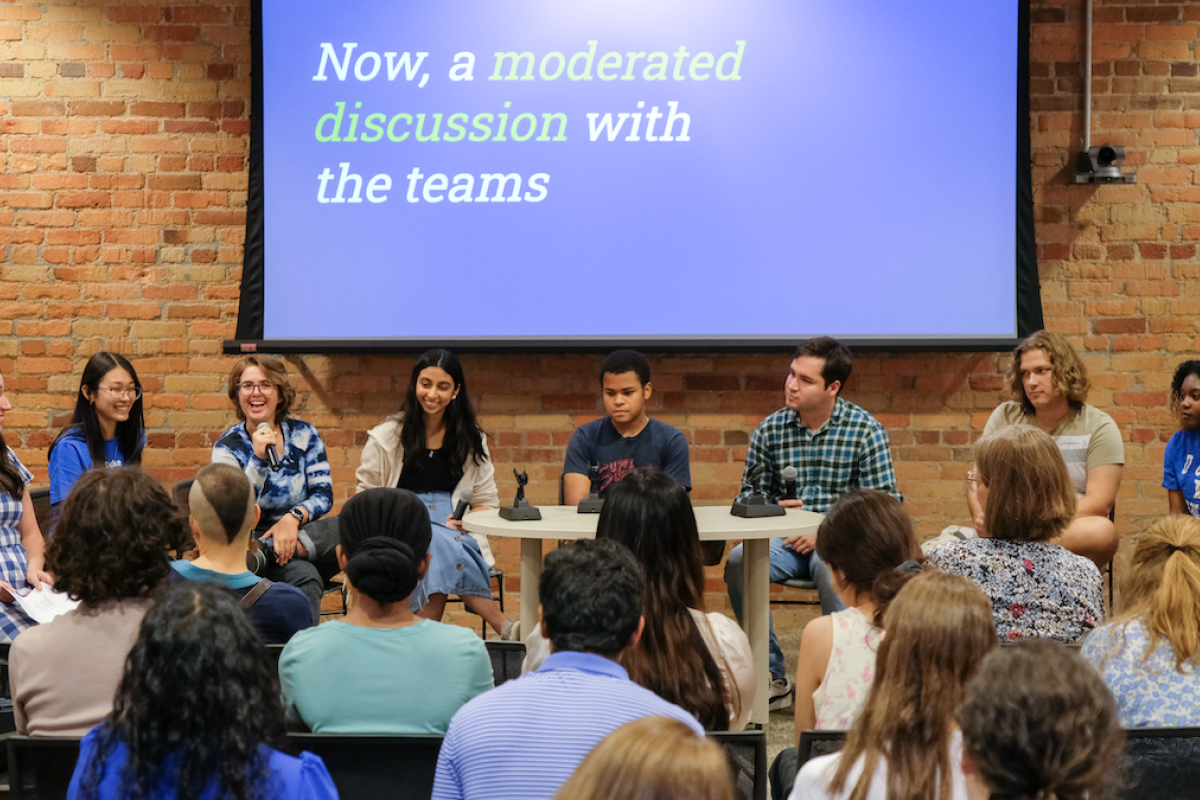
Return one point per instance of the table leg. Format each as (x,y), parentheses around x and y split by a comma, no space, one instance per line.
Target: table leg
(531,575)
(756,609)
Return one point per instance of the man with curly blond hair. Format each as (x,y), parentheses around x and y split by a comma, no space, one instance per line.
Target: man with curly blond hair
(1049,386)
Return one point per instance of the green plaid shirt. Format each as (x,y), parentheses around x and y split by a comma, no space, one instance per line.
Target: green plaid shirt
(850,451)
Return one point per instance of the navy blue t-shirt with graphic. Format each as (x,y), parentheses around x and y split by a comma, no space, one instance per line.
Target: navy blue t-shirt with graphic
(658,445)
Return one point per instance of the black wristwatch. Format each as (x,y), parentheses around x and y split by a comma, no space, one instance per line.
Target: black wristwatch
(298,514)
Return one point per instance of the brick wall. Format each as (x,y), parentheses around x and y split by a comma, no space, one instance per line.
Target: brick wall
(123,132)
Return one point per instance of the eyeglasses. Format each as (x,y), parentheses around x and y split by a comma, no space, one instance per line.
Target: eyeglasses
(973,479)
(248,387)
(120,393)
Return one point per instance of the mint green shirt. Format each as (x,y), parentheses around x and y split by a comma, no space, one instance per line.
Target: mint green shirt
(340,678)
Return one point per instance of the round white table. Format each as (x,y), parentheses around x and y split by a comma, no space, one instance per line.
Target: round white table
(713,522)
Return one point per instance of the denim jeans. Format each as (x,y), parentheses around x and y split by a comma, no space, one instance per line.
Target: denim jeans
(785,563)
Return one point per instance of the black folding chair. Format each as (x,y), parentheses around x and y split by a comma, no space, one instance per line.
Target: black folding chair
(506,659)
(40,767)
(1161,763)
(747,754)
(374,767)
(818,743)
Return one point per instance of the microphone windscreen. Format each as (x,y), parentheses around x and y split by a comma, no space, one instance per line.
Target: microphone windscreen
(467,496)
(790,473)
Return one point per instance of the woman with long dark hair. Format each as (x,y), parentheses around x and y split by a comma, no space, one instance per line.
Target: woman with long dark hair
(905,745)
(435,448)
(107,428)
(700,662)
(22,548)
(197,713)
(384,551)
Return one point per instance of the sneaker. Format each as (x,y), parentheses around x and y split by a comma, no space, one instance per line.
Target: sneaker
(510,631)
(782,693)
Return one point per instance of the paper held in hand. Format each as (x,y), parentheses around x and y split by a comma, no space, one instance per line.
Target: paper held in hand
(45,604)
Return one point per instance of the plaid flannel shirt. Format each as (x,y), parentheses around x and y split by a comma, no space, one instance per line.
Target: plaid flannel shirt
(850,451)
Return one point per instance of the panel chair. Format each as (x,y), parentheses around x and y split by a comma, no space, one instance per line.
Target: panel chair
(506,659)
(366,767)
(40,767)
(747,754)
(1161,763)
(42,511)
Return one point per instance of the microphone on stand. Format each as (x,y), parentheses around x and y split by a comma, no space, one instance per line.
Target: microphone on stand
(272,455)
(464,502)
(789,483)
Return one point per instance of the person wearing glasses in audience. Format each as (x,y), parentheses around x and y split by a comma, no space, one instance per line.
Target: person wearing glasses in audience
(285,460)
(107,428)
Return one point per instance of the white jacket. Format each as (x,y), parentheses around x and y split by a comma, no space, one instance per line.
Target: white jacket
(383,461)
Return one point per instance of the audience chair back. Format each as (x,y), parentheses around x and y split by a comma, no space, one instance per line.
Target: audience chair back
(1161,763)
(818,743)
(41,509)
(375,767)
(274,651)
(506,659)
(41,766)
(747,755)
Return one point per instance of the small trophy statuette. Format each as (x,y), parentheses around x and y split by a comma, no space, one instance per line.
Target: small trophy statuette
(592,503)
(520,510)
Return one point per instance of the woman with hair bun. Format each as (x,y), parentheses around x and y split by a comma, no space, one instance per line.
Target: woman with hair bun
(1148,656)
(868,543)
(1037,724)
(405,674)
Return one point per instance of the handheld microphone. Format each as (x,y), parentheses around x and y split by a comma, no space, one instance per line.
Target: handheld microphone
(464,502)
(272,455)
(789,483)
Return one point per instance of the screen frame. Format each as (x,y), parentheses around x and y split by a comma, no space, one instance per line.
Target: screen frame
(249,335)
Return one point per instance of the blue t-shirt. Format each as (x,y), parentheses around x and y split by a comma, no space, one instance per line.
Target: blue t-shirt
(658,445)
(70,458)
(303,778)
(278,613)
(1181,468)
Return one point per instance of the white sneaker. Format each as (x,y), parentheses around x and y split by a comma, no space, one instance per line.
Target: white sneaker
(782,693)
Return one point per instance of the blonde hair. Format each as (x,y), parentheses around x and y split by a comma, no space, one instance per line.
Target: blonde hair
(939,628)
(1070,375)
(652,758)
(1163,590)
(1030,496)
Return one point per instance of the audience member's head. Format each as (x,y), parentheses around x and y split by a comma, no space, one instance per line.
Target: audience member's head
(1163,590)
(839,361)
(591,594)
(1070,375)
(865,538)
(1038,724)
(938,629)
(1024,485)
(198,698)
(384,550)
(649,512)
(114,532)
(221,505)
(653,758)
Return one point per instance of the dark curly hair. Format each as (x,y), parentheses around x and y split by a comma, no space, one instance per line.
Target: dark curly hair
(276,372)
(591,593)
(196,704)
(113,536)
(1039,722)
(1181,374)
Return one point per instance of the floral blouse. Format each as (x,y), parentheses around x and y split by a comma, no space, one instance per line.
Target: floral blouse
(1150,692)
(1038,590)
